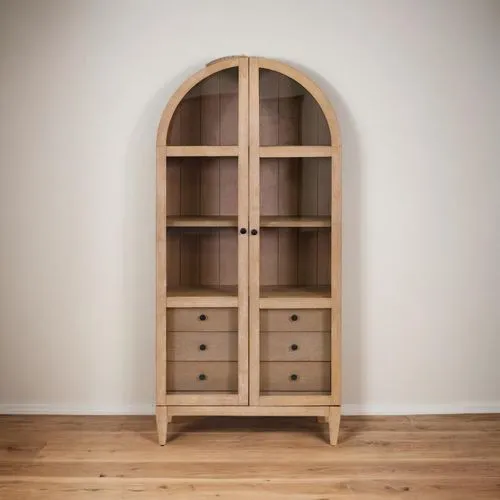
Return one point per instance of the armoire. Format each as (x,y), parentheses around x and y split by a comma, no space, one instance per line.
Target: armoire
(248,246)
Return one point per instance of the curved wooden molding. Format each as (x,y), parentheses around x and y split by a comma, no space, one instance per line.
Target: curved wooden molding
(234,61)
(168,112)
(312,88)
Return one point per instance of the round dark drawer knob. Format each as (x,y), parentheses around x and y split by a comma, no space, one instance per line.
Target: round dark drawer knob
(294,317)
(254,231)
(243,231)
(294,377)
(203,317)
(294,347)
(203,347)
(202,376)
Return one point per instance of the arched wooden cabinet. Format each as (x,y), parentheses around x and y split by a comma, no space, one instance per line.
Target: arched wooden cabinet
(248,246)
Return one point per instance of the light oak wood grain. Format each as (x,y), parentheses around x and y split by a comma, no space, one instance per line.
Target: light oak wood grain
(295,320)
(250,143)
(422,457)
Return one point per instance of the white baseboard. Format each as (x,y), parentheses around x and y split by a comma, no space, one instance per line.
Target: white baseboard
(347,409)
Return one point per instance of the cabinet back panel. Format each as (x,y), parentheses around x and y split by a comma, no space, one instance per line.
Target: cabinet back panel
(295,257)
(202,186)
(206,257)
(208,114)
(295,186)
(289,115)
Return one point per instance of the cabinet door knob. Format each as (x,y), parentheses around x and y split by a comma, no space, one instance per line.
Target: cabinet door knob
(294,317)
(203,347)
(294,347)
(203,317)
(243,230)
(294,377)
(202,376)
(254,231)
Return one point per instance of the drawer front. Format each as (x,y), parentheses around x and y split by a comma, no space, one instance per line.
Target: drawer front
(295,320)
(292,346)
(202,376)
(202,320)
(295,377)
(202,346)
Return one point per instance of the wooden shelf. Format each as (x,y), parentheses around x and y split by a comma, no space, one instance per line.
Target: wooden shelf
(211,151)
(278,297)
(296,151)
(210,221)
(281,221)
(202,296)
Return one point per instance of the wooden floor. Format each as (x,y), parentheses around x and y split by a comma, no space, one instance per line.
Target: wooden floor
(426,457)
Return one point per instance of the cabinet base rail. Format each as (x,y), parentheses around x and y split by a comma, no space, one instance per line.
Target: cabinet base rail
(329,414)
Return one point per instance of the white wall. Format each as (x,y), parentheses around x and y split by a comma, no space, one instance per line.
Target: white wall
(416,86)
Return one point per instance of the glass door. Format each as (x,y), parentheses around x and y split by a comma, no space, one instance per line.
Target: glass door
(206,247)
(294,240)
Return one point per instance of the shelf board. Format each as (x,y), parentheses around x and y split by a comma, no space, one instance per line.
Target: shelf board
(210,221)
(308,297)
(202,296)
(281,221)
(211,151)
(296,151)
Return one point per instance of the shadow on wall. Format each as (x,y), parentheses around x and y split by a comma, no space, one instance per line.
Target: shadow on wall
(353,360)
(138,370)
(139,244)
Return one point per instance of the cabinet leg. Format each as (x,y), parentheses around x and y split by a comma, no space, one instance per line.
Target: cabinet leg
(334,424)
(162,421)
(322,420)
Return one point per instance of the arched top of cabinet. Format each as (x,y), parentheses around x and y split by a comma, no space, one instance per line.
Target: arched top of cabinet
(224,63)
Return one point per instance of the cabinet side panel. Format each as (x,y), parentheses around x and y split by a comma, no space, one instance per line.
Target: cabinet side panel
(161,278)
(336,277)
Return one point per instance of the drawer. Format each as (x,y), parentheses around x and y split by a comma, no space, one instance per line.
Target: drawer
(202,346)
(295,377)
(295,346)
(295,320)
(202,320)
(202,376)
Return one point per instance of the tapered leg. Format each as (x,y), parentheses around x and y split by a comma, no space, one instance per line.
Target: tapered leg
(322,420)
(334,424)
(162,420)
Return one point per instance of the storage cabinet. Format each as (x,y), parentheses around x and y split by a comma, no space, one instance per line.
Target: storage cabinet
(248,246)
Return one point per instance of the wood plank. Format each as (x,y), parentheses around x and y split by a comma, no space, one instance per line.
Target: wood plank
(202,297)
(356,487)
(228,257)
(295,320)
(300,221)
(205,221)
(295,151)
(295,399)
(242,242)
(295,376)
(212,151)
(202,377)
(293,346)
(336,276)
(254,240)
(161,278)
(186,399)
(200,346)
(279,301)
(252,411)
(202,320)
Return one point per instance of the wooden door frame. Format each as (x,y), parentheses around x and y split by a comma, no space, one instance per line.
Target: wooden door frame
(335,303)
(162,151)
